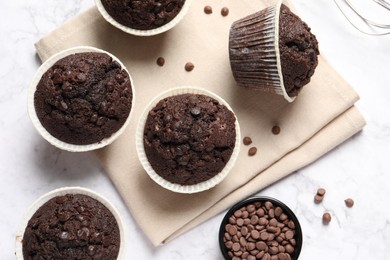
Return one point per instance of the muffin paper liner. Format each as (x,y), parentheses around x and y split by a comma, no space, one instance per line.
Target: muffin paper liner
(35,120)
(254,51)
(138,32)
(202,186)
(60,192)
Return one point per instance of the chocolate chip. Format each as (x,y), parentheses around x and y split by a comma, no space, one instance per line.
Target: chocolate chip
(119,78)
(318,198)
(160,61)
(319,195)
(326,218)
(61,199)
(167,118)
(158,8)
(63,217)
(224,11)
(252,151)
(81,77)
(195,111)
(276,130)
(170,7)
(208,9)
(321,192)
(247,140)
(63,106)
(236,246)
(189,66)
(349,202)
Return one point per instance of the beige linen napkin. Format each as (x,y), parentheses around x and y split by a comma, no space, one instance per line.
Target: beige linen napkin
(322,116)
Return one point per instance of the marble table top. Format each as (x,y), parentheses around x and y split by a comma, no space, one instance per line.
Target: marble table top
(359,168)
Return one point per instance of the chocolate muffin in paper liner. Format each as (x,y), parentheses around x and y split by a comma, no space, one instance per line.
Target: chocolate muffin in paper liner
(189,138)
(72,226)
(143,15)
(71,223)
(143,18)
(273,50)
(83,98)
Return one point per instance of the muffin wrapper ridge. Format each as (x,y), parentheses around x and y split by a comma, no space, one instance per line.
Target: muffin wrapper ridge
(254,51)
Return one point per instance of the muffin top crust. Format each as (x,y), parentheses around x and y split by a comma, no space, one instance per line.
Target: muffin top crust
(83,98)
(72,226)
(189,138)
(143,15)
(298,51)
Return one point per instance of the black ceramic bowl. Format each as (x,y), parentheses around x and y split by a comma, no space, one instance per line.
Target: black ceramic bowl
(251,201)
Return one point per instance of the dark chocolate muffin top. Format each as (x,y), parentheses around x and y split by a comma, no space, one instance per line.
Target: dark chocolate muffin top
(189,138)
(83,98)
(143,15)
(298,51)
(73,226)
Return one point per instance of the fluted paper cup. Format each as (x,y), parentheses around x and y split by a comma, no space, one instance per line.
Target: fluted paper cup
(254,52)
(202,186)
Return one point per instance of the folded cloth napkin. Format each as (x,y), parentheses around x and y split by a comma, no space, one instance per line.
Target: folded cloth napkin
(322,116)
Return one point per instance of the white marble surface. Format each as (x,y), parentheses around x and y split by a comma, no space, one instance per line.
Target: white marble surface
(360,168)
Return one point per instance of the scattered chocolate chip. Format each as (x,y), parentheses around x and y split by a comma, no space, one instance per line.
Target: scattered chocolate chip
(349,202)
(318,198)
(189,66)
(321,192)
(276,130)
(252,151)
(247,140)
(208,9)
(225,11)
(326,218)
(160,61)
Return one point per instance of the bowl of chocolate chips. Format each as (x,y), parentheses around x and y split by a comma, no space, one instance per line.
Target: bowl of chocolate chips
(260,228)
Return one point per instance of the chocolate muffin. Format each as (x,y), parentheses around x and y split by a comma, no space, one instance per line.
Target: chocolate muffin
(189,138)
(83,98)
(269,45)
(73,226)
(298,49)
(143,15)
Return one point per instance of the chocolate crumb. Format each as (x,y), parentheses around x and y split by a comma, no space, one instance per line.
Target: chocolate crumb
(326,218)
(276,130)
(225,11)
(208,9)
(160,61)
(189,66)
(252,151)
(349,202)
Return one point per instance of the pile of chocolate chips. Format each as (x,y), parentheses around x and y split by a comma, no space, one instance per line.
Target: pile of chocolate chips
(260,230)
